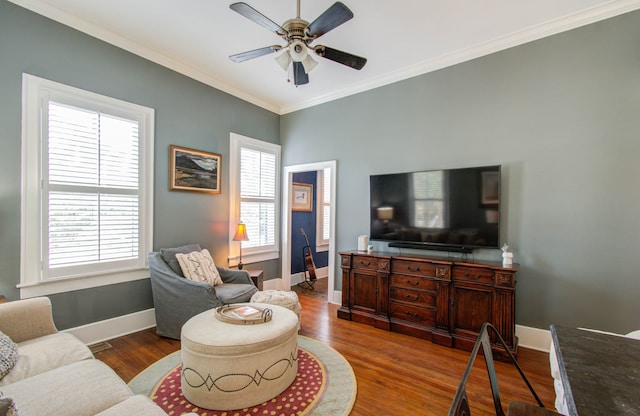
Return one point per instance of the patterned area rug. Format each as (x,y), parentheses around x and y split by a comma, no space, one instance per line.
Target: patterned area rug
(325,385)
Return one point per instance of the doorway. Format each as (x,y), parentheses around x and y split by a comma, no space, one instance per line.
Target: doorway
(286,222)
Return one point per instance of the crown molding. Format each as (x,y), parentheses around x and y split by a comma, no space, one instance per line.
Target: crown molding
(601,12)
(583,18)
(53,13)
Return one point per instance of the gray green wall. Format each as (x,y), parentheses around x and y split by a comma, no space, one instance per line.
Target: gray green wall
(562,117)
(188,114)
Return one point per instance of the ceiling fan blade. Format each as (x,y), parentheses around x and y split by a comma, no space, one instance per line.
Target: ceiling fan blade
(344,58)
(245,56)
(333,17)
(299,76)
(257,17)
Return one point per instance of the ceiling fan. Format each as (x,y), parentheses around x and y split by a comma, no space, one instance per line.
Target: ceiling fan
(299,34)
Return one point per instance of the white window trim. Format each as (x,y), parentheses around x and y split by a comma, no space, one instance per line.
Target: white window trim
(321,244)
(256,254)
(34,91)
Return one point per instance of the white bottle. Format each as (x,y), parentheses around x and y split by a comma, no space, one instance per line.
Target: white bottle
(507,257)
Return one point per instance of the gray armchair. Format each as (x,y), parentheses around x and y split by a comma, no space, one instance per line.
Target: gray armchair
(176,299)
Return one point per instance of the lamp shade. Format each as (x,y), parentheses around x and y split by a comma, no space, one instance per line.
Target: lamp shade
(241,233)
(308,63)
(284,60)
(385,213)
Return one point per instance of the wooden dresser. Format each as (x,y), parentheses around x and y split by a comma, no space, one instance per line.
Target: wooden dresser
(439,299)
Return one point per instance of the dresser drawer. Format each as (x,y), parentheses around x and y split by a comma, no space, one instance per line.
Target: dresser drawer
(505,279)
(421,316)
(415,297)
(471,274)
(365,262)
(412,282)
(413,267)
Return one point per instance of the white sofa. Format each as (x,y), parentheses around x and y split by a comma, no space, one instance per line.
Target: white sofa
(56,374)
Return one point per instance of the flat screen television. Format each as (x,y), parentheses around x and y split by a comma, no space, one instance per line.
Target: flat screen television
(449,210)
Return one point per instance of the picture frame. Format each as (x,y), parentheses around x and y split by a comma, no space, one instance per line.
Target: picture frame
(194,170)
(490,188)
(301,197)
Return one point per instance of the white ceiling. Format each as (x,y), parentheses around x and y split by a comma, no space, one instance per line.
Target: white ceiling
(400,39)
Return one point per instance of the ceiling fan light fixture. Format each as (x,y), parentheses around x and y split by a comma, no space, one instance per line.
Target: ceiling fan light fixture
(309,63)
(284,60)
(298,35)
(298,51)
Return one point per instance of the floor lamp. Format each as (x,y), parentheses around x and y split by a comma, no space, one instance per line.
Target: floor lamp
(241,235)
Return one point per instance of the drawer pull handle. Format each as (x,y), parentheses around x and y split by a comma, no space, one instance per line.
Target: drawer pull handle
(415,297)
(413,269)
(362,263)
(413,315)
(477,276)
(416,283)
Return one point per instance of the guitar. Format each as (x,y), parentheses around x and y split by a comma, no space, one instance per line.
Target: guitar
(308,258)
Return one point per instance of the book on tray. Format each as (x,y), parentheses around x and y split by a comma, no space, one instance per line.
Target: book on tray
(245,312)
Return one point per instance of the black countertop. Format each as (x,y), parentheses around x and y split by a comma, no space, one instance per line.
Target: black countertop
(600,372)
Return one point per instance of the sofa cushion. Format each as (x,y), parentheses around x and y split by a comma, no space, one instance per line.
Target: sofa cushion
(46,353)
(235,293)
(8,355)
(169,256)
(26,319)
(199,267)
(80,389)
(136,406)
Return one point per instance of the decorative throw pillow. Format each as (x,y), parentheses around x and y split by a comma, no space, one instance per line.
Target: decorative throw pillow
(169,256)
(7,406)
(8,354)
(199,266)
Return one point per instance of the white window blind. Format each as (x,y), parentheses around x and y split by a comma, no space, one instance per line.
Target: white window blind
(323,223)
(87,210)
(428,192)
(254,182)
(92,178)
(326,204)
(257,196)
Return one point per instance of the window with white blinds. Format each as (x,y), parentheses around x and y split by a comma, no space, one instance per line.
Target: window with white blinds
(254,183)
(323,223)
(429,210)
(94,164)
(257,196)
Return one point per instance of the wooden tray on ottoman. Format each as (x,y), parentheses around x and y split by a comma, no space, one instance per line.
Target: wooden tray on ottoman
(243,314)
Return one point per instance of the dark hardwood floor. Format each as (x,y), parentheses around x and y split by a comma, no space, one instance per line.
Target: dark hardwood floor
(318,290)
(396,374)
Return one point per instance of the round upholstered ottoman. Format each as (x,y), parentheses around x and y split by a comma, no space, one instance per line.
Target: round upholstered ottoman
(287,299)
(227,366)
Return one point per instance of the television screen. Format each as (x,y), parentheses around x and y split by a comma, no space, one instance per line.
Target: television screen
(452,209)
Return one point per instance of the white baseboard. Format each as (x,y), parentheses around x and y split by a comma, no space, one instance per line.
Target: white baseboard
(321,273)
(115,327)
(533,338)
(127,324)
(528,337)
(297,278)
(336,297)
(271,284)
